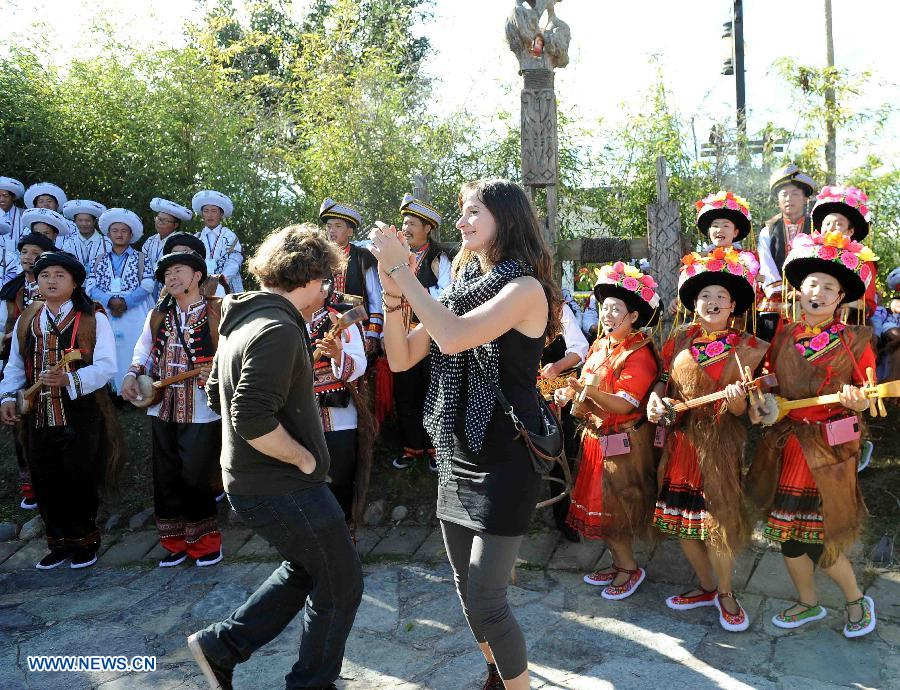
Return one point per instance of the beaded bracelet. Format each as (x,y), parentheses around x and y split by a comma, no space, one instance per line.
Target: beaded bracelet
(396,268)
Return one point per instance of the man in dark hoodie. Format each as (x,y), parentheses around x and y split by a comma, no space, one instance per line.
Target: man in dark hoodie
(274,466)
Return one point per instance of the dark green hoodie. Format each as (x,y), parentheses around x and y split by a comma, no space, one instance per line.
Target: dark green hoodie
(262,376)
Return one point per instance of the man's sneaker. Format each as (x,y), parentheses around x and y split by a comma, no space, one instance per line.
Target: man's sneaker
(51,561)
(403,462)
(683,602)
(432,463)
(220,497)
(83,558)
(732,622)
(173,559)
(217,677)
(865,455)
(807,614)
(209,558)
(28,504)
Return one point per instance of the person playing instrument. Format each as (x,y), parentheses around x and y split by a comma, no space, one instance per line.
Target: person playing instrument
(803,476)
(15,297)
(485,337)
(66,426)
(211,285)
(360,276)
(432,268)
(88,243)
(122,281)
(224,254)
(700,500)
(792,189)
(341,362)
(846,210)
(180,335)
(168,219)
(563,355)
(614,490)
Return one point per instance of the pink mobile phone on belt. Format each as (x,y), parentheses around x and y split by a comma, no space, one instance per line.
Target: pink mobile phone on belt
(842,430)
(615,444)
(659,438)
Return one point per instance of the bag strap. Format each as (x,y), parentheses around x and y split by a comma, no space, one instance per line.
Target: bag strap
(508,409)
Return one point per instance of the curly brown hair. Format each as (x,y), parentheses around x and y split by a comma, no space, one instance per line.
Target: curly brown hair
(291,257)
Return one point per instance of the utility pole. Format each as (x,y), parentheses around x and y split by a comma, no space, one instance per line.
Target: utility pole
(739,85)
(830,105)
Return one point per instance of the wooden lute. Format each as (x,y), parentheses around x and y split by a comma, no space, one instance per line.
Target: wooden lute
(875,392)
(25,396)
(347,319)
(151,391)
(668,417)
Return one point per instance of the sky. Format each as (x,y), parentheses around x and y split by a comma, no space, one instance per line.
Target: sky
(611,52)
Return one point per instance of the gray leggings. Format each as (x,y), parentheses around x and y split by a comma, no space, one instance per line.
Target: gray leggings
(481,567)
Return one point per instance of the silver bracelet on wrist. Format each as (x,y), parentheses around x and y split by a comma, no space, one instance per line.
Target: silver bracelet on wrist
(396,268)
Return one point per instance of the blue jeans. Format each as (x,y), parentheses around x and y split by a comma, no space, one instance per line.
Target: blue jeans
(321,575)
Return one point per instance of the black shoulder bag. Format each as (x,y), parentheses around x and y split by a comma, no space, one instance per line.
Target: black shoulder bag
(545,447)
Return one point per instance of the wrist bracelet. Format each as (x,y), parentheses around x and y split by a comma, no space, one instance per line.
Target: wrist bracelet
(396,268)
(388,309)
(388,294)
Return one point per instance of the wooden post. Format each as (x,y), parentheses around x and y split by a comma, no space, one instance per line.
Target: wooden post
(664,243)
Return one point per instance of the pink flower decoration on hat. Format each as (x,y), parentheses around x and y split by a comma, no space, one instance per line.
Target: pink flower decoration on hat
(731,203)
(715,348)
(826,252)
(735,269)
(618,267)
(630,283)
(714,265)
(647,294)
(648,281)
(819,341)
(849,260)
(615,276)
(690,270)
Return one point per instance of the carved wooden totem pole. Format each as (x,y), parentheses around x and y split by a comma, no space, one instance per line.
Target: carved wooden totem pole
(540,40)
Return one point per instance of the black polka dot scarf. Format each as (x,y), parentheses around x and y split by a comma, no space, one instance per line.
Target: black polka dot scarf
(442,402)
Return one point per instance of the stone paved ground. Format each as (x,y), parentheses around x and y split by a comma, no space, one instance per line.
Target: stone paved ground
(409,631)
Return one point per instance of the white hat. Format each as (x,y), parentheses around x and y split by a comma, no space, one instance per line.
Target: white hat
(332,209)
(211,197)
(420,209)
(40,188)
(122,215)
(45,215)
(75,206)
(165,206)
(10,184)
(5,226)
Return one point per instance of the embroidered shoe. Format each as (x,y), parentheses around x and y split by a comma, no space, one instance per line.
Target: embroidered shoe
(83,559)
(732,622)
(627,588)
(51,560)
(683,602)
(218,678)
(795,620)
(601,578)
(403,462)
(173,559)
(864,625)
(209,558)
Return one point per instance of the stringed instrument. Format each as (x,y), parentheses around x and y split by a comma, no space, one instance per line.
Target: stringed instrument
(347,319)
(25,396)
(152,391)
(751,385)
(778,407)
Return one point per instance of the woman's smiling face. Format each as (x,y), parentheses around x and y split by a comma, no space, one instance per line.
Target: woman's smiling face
(476,224)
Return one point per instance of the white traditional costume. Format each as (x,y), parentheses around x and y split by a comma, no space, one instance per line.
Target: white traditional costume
(224,254)
(85,249)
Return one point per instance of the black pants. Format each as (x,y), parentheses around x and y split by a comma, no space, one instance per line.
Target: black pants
(185,458)
(342,449)
(570,439)
(321,578)
(410,388)
(65,474)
